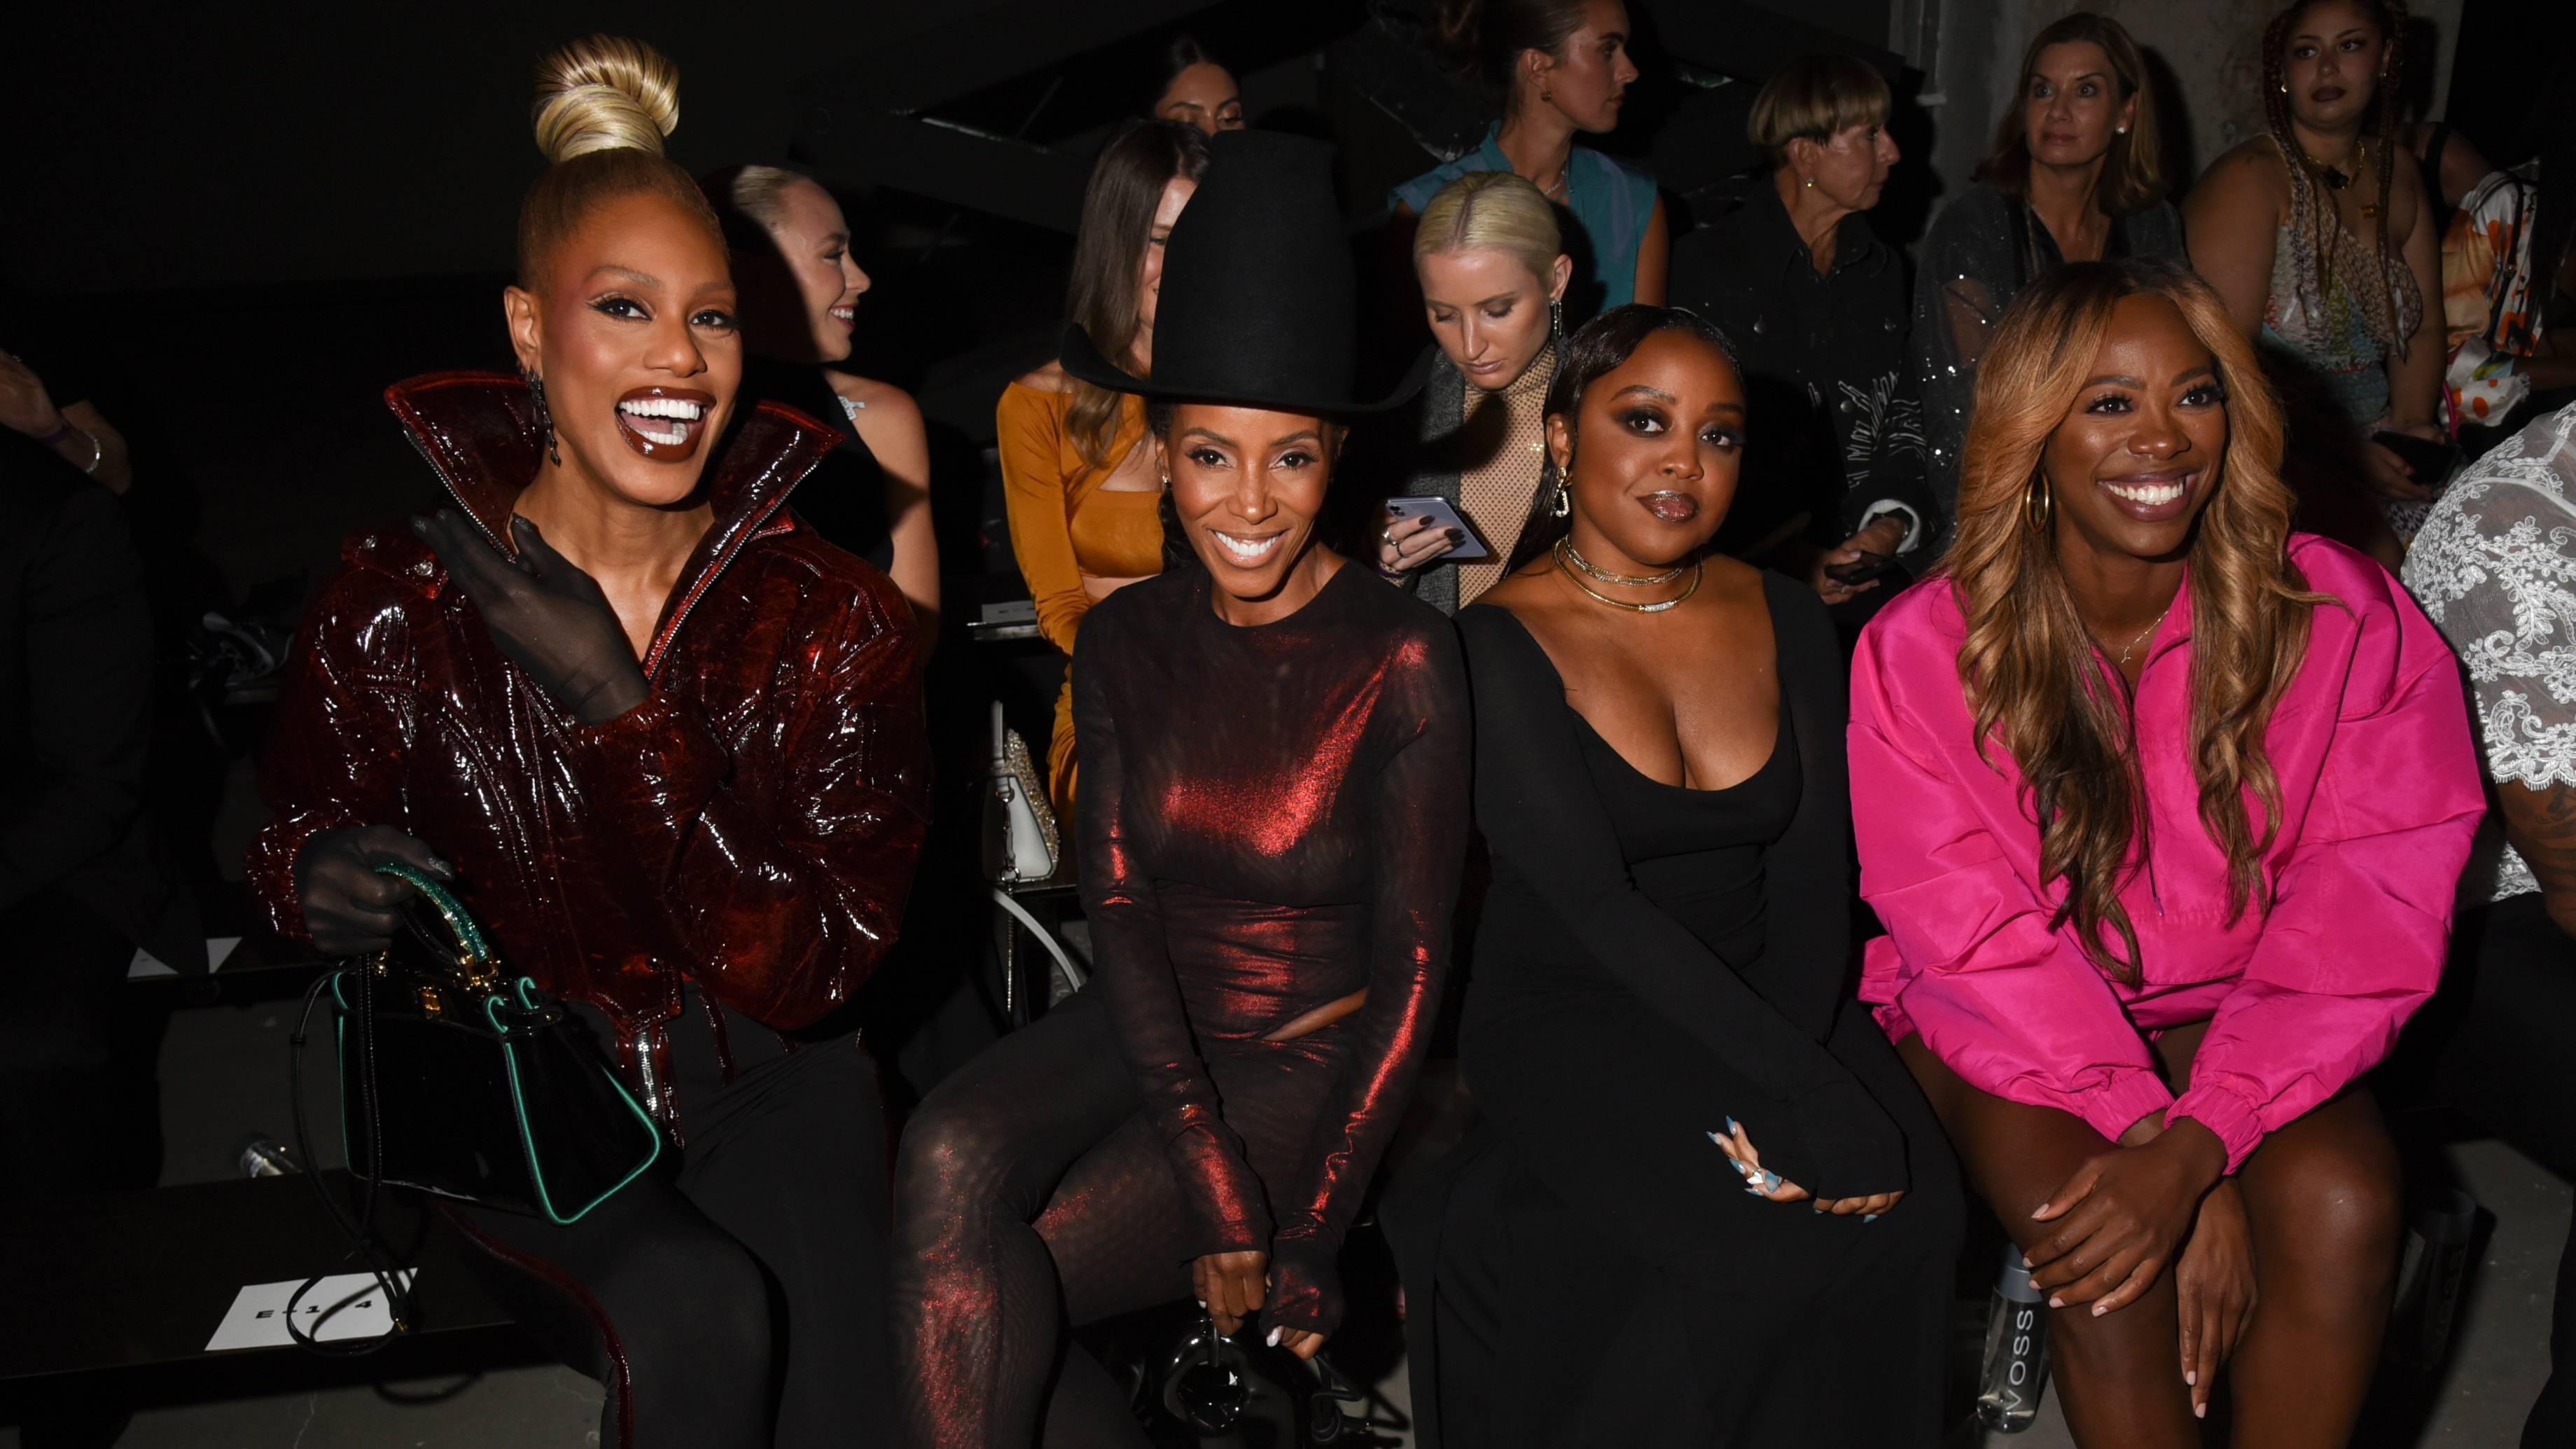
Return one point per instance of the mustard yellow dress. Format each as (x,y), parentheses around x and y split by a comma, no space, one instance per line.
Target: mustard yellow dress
(1064,524)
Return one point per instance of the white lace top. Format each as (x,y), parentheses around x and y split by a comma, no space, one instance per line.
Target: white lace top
(2495,567)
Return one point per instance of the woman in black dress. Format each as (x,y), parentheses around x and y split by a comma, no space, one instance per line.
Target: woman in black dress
(801,283)
(1274,816)
(1706,1205)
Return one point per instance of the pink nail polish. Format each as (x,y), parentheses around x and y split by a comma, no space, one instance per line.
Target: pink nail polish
(2200,1411)
(2100,1309)
(2191,1377)
(2056,1302)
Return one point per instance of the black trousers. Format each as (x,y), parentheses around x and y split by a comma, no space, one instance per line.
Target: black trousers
(735,1295)
(2493,1044)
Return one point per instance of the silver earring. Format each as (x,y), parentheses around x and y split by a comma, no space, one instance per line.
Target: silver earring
(1555,318)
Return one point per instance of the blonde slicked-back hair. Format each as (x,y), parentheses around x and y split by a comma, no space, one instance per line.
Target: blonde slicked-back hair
(2035,683)
(1816,98)
(1492,211)
(603,104)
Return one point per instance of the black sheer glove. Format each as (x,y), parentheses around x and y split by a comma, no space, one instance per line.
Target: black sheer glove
(349,909)
(545,613)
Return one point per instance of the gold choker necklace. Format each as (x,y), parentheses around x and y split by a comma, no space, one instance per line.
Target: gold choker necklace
(1629,581)
(1566,565)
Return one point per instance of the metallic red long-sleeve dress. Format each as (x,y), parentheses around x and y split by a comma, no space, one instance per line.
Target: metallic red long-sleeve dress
(1273,817)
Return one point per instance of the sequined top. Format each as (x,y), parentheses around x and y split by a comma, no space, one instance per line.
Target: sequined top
(1273,818)
(1979,253)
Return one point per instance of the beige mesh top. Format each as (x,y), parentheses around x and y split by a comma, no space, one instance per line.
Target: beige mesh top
(1496,492)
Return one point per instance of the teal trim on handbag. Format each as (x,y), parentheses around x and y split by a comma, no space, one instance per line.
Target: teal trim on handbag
(529,1001)
(469,932)
(340,1059)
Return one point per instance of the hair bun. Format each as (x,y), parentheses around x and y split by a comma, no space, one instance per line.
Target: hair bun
(605,93)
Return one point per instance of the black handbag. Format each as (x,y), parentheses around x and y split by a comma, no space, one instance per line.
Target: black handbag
(461,1080)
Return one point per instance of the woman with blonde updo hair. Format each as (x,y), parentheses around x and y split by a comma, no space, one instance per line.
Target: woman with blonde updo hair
(666,746)
(1493,274)
(2162,806)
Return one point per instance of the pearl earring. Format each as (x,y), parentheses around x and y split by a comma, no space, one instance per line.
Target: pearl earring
(1811,183)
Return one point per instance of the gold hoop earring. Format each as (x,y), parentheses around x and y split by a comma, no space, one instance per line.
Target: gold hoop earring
(2038,504)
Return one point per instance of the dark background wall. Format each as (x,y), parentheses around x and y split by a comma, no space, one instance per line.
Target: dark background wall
(171,146)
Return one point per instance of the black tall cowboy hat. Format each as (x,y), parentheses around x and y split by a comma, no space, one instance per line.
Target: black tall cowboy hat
(1257,304)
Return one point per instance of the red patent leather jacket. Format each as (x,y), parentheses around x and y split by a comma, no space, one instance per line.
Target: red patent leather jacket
(751,827)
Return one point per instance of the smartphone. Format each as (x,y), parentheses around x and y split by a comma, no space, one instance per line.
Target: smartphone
(1860,570)
(2432,462)
(1443,514)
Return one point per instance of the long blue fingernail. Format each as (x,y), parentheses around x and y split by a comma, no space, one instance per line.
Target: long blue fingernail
(1712,1137)
(1730,1125)
(1771,1179)
(1869,1217)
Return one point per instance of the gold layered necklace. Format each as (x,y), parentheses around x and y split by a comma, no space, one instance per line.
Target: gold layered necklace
(1574,566)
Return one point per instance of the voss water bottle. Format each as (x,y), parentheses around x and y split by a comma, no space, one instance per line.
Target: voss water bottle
(2016,1351)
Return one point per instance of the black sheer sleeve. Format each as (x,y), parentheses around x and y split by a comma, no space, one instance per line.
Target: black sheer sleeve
(1813,1122)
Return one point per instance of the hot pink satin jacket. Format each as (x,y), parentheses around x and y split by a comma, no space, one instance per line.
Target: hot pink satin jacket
(2380,791)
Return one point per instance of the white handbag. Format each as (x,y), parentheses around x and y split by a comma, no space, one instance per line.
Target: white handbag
(1020,842)
(1021,846)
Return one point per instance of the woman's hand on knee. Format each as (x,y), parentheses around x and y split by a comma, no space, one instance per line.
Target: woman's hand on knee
(2214,1284)
(1231,1286)
(2119,1219)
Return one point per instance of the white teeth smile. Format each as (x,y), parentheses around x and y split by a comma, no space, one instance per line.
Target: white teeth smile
(1250,550)
(846,314)
(2147,494)
(675,416)
(662,407)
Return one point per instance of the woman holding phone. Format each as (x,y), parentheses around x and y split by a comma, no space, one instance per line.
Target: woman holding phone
(1493,275)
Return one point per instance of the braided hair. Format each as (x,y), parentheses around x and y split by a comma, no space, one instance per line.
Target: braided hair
(2304,180)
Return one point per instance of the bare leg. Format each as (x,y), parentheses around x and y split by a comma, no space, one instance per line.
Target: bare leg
(2116,1374)
(2324,1198)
